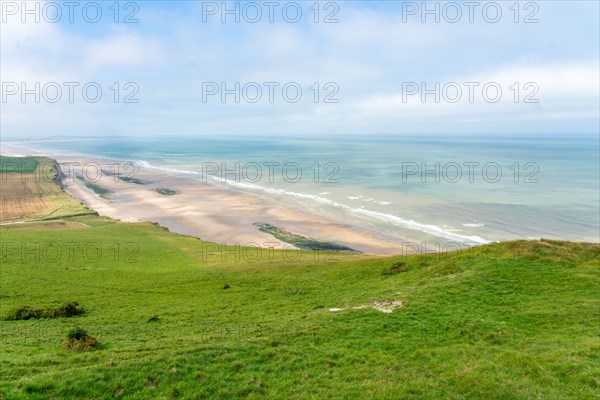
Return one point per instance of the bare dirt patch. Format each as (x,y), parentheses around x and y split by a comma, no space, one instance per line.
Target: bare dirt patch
(385,306)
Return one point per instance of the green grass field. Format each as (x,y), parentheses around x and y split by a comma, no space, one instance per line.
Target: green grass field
(177,317)
(18,164)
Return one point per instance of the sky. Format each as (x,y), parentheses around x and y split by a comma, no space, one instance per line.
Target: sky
(185,68)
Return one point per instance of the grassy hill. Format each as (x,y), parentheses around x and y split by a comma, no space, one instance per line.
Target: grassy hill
(177,317)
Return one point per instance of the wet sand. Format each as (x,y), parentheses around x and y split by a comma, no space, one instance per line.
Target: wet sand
(209,211)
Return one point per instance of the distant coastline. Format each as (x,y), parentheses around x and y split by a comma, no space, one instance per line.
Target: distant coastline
(197,209)
(372,194)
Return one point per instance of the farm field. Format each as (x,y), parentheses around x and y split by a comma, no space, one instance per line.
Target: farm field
(30,192)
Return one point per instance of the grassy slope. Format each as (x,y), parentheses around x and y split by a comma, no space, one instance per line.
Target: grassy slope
(515,320)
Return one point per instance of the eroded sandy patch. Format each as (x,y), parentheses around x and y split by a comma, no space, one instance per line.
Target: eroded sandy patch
(384,306)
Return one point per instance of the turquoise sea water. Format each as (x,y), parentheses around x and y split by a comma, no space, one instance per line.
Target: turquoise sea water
(436,189)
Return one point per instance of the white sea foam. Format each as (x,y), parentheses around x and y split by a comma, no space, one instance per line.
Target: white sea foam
(361,212)
(146,164)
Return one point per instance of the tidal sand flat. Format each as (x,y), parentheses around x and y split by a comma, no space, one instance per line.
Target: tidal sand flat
(402,189)
(213,213)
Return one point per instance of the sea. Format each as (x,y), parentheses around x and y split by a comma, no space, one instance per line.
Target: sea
(436,189)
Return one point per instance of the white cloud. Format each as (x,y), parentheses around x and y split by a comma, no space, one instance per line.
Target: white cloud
(565,89)
(369,53)
(45,51)
(121,49)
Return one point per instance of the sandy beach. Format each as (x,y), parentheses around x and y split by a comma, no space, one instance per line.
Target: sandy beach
(208,211)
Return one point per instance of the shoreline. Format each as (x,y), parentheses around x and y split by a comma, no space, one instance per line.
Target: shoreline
(222,215)
(217,214)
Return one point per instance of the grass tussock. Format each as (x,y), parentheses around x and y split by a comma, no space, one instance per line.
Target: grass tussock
(79,340)
(66,310)
(395,268)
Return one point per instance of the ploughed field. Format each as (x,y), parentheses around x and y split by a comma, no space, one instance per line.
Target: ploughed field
(29,191)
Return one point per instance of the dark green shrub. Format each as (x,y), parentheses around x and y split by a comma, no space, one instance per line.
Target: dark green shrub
(153,318)
(66,310)
(77,334)
(395,268)
(23,313)
(79,340)
(226,286)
